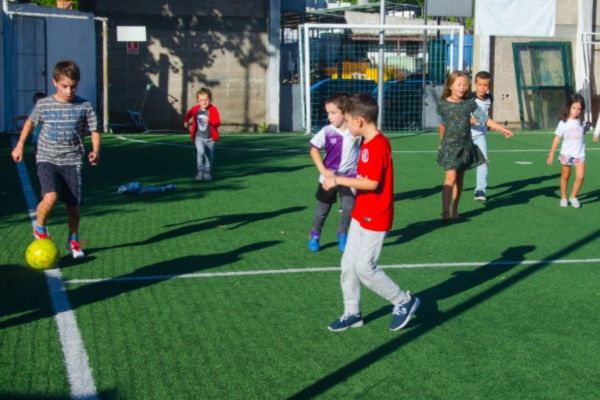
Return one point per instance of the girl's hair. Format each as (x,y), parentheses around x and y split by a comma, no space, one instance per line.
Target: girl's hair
(565,112)
(340,100)
(205,91)
(450,81)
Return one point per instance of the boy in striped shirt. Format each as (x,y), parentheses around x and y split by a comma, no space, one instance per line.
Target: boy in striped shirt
(65,119)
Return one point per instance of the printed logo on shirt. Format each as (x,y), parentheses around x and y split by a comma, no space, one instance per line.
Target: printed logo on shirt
(364,156)
(202,122)
(333,140)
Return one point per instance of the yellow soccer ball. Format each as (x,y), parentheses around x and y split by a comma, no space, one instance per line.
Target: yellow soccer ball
(41,254)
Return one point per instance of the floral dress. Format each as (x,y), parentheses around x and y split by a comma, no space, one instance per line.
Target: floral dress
(457,151)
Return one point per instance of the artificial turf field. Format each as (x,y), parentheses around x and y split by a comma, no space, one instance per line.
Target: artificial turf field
(209,291)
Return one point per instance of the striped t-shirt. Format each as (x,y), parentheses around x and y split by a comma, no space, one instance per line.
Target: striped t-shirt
(63,127)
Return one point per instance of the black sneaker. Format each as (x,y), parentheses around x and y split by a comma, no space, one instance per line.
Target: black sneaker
(479,195)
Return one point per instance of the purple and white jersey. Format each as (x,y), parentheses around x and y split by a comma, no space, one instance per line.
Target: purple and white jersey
(341,150)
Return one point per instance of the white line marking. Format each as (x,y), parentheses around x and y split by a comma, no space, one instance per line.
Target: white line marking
(76,360)
(322,269)
(121,137)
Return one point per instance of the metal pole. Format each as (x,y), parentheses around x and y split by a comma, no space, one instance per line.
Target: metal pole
(306,71)
(380,74)
(105,113)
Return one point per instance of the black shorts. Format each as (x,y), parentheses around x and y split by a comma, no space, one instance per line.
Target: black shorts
(65,180)
(329,196)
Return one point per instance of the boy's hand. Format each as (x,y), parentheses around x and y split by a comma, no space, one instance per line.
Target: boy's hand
(596,138)
(185,124)
(17,153)
(507,133)
(93,157)
(550,159)
(329,182)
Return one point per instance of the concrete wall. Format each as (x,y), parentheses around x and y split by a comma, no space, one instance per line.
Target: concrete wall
(506,106)
(221,45)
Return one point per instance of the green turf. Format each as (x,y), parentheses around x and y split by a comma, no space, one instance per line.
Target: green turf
(525,331)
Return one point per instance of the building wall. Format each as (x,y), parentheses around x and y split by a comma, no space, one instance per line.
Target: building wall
(221,45)
(506,106)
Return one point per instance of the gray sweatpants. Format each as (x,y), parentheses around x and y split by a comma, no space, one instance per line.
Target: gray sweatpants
(359,264)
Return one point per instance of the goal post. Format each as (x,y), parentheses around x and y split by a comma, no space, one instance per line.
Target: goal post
(347,58)
(33,47)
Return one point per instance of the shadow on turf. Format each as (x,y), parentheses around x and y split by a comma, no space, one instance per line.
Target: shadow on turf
(506,198)
(230,221)
(429,317)
(39,307)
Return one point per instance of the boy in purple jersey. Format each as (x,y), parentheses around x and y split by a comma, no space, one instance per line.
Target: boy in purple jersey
(341,155)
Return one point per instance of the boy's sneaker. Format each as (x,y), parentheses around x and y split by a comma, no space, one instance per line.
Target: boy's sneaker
(207,177)
(403,312)
(199,176)
(342,238)
(313,243)
(75,248)
(564,203)
(346,321)
(480,195)
(40,235)
(574,202)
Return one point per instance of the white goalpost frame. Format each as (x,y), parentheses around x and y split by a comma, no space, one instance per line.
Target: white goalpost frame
(377,28)
(589,39)
(104,22)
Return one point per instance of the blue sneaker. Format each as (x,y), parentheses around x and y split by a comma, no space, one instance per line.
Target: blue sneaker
(403,312)
(342,238)
(346,321)
(313,244)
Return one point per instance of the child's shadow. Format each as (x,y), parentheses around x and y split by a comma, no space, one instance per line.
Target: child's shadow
(460,282)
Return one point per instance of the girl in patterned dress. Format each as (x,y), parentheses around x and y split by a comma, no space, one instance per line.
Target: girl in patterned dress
(457,152)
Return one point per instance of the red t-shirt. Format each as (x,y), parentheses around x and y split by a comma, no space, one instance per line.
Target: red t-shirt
(374,210)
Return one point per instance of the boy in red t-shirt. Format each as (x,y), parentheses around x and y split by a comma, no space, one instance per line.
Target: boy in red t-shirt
(371,219)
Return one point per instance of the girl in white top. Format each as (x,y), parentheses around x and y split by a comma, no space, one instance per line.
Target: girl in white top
(571,130)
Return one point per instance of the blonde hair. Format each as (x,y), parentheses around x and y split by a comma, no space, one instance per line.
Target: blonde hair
(454,75)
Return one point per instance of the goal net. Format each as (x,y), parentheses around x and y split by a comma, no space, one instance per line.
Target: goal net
(412,59)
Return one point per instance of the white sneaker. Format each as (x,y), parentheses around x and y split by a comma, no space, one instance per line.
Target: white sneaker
(75,249)
(574,202)
(564,203)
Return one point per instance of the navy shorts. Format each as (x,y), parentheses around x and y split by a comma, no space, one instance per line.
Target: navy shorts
(64,180)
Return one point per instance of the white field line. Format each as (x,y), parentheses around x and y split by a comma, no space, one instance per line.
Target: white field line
(79,373)
(121,137)
(198,275)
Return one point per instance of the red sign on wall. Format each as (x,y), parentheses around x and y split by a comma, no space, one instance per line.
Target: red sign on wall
(133,48)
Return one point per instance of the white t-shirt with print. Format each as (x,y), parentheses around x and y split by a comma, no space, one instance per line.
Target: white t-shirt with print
(571,131)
